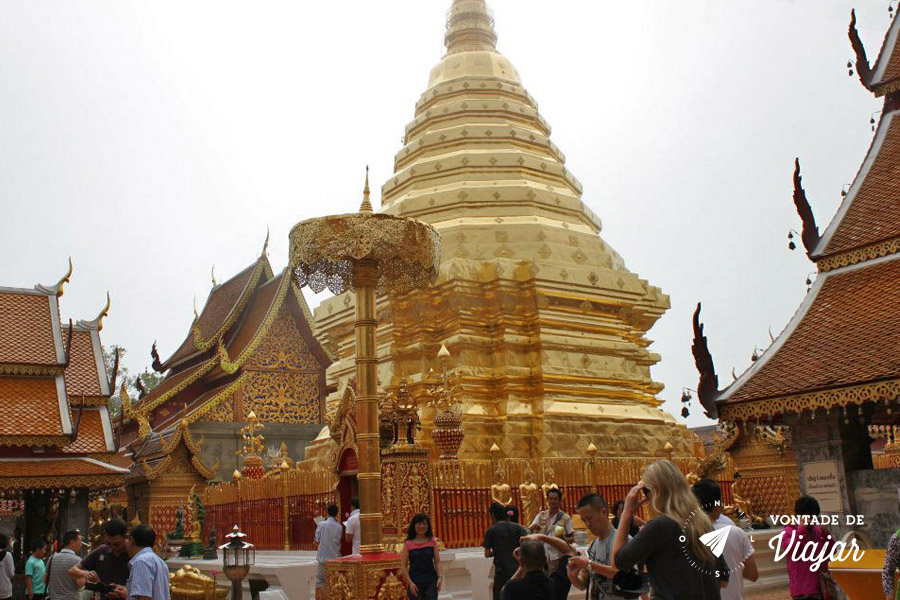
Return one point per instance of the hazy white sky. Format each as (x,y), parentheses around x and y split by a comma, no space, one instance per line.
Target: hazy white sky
(150,140)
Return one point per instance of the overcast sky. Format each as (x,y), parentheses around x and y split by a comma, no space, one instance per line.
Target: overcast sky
(150,140)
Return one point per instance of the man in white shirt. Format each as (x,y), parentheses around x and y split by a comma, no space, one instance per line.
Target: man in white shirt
(328,546)
(351,526)
(738,552)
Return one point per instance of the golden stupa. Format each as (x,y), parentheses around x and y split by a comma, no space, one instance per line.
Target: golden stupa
(545,325)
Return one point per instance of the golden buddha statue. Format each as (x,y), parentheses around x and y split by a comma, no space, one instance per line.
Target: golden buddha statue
(548,484)
(96,530)
(189,583)
(530,496)
(501,492)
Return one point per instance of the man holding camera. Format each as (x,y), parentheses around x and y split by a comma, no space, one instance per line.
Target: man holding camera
(107,565)
(60,586)
(149,575)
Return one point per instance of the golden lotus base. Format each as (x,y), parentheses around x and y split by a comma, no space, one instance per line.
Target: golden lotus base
(365,577)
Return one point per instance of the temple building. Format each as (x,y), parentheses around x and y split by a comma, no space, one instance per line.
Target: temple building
(546,327)
(58,444)
(832,376)
(250,350)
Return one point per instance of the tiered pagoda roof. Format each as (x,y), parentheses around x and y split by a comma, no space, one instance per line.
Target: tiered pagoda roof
(54,419)
(840,348)
(206,375)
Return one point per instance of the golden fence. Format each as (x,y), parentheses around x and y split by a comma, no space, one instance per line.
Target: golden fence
(277,511)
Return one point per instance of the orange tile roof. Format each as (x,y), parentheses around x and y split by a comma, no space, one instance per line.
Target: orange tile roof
(849,335)
(874,214)
(91,437)
(55,467)
(29,406)
(26,328)
(221,302)
(82,376)
(891,53)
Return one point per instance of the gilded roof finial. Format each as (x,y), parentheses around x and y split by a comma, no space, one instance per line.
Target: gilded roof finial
(366,206)
(58,288)
(103,313)
(212,275)
(265,244)
(470,27)
(196,313)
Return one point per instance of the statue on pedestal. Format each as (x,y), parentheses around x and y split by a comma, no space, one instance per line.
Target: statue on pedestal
(96,532)
(530,496)
(548,482)
(501,492)
(211,552)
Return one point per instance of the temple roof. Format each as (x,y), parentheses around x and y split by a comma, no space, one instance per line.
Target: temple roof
(29,328)
(225,303)
(86,373)
(870,212)
(886,72)
(33,406)
(846,332)
(59,472)
(95,435)
(841,346)
(200,382)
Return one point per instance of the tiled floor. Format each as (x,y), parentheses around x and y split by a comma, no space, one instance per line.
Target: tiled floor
(770,594)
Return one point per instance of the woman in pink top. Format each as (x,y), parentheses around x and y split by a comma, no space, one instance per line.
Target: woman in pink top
(804,581)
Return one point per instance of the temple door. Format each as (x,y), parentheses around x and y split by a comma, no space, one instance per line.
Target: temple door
(348,488)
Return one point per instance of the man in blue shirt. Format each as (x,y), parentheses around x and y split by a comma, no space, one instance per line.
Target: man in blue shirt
(149,577)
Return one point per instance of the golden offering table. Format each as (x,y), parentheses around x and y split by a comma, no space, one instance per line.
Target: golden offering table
(860,580)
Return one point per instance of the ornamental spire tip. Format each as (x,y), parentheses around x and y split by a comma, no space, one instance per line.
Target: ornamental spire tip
(366,206)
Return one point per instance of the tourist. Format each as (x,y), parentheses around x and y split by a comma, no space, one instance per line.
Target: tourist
(108,563)
(59,585)
(738,552)
(148,578)
(891,563)
(554,522)
(593,572)
(500,541)
(35,569)
(352,531)
(420,560)
(328,545)
(677,569)
(6,568)
(530,582)
(636,522)
(805,583)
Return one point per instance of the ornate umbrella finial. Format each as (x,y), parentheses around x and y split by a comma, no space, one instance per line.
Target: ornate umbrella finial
(366,206)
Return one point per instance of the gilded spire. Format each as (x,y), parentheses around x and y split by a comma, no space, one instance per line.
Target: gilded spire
(470,27)
(366,206)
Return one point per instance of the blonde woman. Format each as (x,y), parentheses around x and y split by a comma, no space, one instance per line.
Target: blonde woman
(679,564)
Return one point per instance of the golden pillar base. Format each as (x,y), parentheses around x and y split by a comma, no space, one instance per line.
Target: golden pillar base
(373,576)
(406,490)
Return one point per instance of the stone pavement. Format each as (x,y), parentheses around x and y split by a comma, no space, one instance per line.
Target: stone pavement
(779,593)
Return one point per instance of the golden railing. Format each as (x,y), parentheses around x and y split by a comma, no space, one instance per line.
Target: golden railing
(276,511)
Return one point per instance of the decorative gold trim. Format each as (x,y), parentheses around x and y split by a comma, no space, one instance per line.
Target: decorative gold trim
(858,255)
(151,473)
(73,481)
(887,88)
(24,369)
(129,411)
(145,407)
(206,472)
(797,403)
(35,440)
(277,301)
(215,400)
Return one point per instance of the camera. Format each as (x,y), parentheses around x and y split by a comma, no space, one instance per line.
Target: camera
(99,587)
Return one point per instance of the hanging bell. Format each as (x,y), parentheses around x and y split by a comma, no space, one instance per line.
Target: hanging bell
(685,412)
(849,64)
(792,246)
(790,235)
(685,397)
(754,357)
(808,281)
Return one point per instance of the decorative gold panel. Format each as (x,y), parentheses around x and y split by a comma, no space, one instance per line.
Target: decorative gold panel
(282,397)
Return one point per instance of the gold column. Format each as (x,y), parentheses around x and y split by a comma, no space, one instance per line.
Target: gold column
(367,437)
